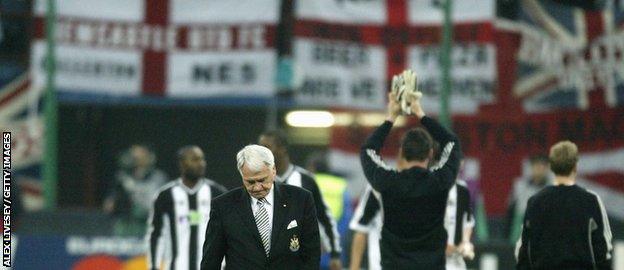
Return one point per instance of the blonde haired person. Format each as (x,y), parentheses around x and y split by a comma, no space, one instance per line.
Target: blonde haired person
(565,226)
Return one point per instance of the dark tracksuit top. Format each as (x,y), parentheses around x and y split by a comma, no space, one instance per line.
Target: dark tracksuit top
(565,227)
(413,200)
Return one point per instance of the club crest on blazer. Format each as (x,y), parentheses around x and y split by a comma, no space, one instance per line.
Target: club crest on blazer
(294,243)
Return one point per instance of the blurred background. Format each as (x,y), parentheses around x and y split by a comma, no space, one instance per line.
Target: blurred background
(99,93)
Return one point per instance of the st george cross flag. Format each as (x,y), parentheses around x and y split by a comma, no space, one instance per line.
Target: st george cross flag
(345,52)
(160,48)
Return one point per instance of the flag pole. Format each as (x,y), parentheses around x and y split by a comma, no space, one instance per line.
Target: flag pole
(445,116)
(50,162)
(445,63)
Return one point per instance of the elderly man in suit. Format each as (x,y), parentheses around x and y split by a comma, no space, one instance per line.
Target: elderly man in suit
(262,225)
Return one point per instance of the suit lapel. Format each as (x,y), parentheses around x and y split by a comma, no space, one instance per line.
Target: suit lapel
(247,216)
(280,209)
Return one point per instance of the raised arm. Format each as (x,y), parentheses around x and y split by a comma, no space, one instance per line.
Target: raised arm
(377,172)
(445,172)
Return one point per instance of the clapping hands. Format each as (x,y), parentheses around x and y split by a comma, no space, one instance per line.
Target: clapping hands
(404,97)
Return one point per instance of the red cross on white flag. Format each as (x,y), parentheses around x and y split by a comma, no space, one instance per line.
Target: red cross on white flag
(346,51)
(160,48)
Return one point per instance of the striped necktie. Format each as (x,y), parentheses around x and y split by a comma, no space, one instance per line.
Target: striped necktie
(262,221)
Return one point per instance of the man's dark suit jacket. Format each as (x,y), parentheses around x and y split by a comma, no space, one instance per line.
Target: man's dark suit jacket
(232,232)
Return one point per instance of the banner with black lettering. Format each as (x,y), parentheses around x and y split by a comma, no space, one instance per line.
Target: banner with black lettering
(336,65)
(346,51)
(161,48)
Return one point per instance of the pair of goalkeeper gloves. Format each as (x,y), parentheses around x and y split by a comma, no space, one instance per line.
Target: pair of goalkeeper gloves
(404,88)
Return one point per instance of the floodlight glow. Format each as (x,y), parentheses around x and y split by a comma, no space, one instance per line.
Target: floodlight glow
(310,119)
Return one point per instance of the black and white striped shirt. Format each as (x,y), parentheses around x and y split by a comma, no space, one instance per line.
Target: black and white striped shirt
(458,213)
(367,218)
(177,224)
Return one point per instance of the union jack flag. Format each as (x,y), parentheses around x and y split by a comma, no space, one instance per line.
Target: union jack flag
(20,113)
(569,57)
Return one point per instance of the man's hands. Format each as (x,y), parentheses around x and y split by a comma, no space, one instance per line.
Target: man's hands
(416,108)
(466,249)
(404,97)
(410,92)
(335,264)
(394,108)
(450,249)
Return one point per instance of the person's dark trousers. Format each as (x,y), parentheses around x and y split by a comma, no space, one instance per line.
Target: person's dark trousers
(410,260)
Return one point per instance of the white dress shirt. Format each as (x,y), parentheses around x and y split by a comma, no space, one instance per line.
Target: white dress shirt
(268,206)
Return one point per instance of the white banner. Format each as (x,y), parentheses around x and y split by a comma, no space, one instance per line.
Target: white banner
(169,48)
(342,11)
(119,10)
(473,76)
(428,12)
(345,50)
(203,74)
(88,70)
(339,74)
(224,11)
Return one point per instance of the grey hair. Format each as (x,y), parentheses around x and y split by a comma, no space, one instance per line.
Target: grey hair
(255,157)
